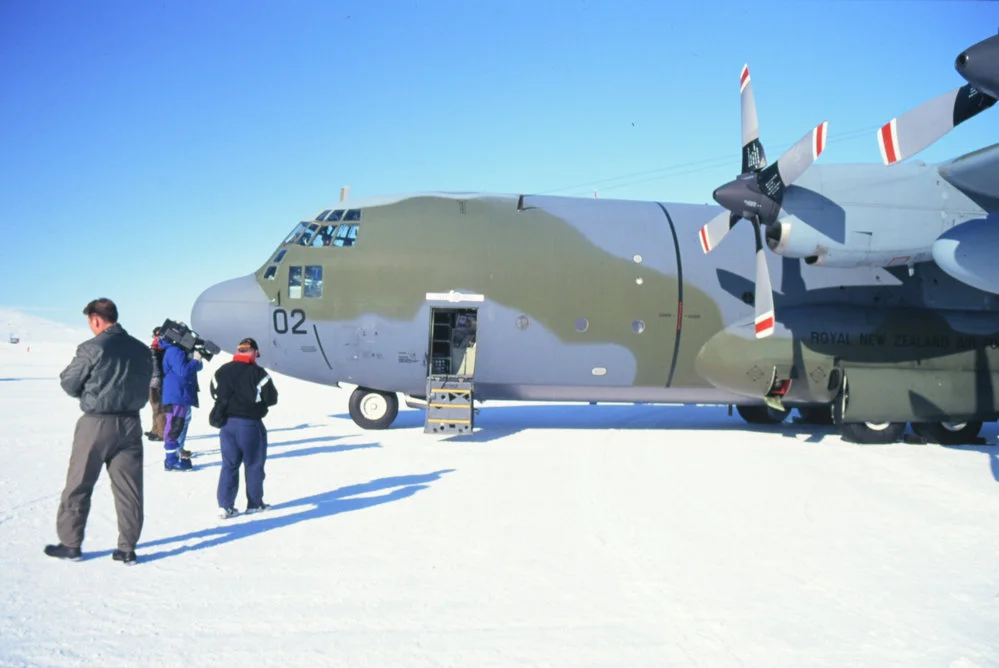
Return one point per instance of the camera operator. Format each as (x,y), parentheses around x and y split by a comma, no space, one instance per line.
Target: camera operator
(180,394)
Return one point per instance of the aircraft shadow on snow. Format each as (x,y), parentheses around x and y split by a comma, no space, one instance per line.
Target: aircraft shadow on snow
(316,506)
(496,422)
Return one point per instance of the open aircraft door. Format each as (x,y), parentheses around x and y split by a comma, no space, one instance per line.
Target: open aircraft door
(452,346)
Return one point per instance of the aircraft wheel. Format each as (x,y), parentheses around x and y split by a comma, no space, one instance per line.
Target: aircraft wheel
(822,414)
(871,432)
(371,409)
(948,433)
(761,414)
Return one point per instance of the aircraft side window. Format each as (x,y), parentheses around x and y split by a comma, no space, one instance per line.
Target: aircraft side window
(324,237)
(301,227)
(280,256)
(307,235)
(271,271)
(352,214)
(323,215)
(336,216)
(295,282)
(313,281)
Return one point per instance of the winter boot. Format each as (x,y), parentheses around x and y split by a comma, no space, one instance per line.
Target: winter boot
(257,509)
(126,557)
(178,465)
(61,551)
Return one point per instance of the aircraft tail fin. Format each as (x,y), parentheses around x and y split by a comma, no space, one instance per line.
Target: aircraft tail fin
(976,175)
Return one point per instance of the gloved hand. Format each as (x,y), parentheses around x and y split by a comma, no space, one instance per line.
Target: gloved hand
(197,355)
(156,383)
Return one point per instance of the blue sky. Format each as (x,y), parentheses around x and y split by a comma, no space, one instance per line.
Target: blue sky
(151,149)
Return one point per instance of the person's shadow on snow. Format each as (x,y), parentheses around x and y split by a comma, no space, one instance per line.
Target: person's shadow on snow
(326,504)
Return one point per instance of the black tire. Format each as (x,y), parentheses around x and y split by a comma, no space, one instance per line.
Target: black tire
(761,414)
(371,409)
(948,433)
(870,433)
(821,414)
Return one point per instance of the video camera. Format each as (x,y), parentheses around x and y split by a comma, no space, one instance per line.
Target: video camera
(187,340)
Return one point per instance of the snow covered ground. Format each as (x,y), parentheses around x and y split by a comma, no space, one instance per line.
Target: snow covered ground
(570,535)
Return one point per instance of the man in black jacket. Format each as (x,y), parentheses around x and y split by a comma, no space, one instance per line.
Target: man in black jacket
(245,392)
(110,376)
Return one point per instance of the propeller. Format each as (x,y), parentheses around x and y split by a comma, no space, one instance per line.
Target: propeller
(910,133)
(756,195)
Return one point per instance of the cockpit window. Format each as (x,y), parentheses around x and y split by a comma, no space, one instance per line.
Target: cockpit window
(322,216)
(313,281)
(346,236)
(352,214)
(280,256)
(271,271)
(335,216)
(324,236)
(301,227)
(307,235)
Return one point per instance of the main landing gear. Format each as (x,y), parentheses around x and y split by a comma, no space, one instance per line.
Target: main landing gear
(372,409)
(868,433)
(948,433)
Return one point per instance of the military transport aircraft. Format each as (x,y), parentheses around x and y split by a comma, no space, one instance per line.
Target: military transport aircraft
(885,312)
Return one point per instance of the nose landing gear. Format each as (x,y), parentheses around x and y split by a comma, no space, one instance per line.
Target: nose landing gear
(373,409)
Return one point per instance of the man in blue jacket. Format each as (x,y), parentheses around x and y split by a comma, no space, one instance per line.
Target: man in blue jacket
(180,394)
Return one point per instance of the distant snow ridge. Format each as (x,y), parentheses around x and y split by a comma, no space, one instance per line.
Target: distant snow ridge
(34,329)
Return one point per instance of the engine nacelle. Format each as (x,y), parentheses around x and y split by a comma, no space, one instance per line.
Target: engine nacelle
(793,237)
(970,253)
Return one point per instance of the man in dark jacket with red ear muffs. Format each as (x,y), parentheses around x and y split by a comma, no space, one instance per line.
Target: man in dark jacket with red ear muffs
(245,391)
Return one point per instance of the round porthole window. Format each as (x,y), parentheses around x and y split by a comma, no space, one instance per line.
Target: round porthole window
(522,322)
(638,327)
(582,324)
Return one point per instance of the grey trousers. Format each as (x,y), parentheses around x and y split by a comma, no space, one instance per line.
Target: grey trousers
(116,442)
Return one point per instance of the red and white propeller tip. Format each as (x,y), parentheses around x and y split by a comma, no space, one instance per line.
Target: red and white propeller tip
(819,136)
(714,231)
(888,142)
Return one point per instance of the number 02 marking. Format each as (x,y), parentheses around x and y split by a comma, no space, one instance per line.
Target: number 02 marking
(280,321)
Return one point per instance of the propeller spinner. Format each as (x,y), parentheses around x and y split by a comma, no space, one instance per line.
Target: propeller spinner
(757,193)
(919,127)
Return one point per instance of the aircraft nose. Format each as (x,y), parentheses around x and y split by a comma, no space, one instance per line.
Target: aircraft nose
(230,311)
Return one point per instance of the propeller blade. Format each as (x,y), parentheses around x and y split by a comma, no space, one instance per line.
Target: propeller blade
(764,319)
(800,157)
(753,157)
(910,133)
(715,230)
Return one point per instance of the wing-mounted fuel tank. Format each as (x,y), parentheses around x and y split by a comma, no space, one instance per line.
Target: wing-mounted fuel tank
(877,364)
(868,215)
